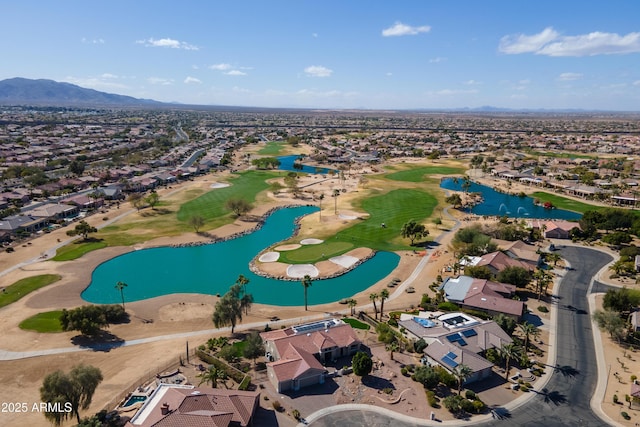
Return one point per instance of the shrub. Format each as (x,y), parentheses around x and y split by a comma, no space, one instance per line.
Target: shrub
(625,416)
(448,306)
(245,384)
(470,394)
(615,398)
(543,309)
(296,414)
(432,399)
(478,406)
(276,405)
(404,372)
(387,390)
(261,366)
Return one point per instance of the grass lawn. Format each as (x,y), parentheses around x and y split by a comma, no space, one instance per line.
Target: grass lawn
(76,249)
(43,322)
(273,148)
(22,287)
(356,324)
(393,209)
(171,217)
(418,174)
(314,253)
(564,203)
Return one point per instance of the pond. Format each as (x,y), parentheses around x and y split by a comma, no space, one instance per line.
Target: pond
(286,164)
(500,204)
(212,269)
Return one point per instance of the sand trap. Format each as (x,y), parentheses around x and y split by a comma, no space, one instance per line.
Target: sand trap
(269,257)
(349,217)
(298,271)
(290,247)
(311,241)
(220,185)
(345,261)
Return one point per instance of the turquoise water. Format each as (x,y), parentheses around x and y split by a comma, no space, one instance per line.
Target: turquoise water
(212,269)
(286,164)
(134,399)
(500,204)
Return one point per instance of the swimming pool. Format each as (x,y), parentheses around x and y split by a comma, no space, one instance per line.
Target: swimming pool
(427,323)
(134,399)
(212,269)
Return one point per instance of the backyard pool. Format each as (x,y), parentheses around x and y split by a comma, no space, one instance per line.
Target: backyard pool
(212,269)
(500,204)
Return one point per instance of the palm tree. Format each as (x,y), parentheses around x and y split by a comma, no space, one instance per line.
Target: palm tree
(529,330)
(120,286)
(335,195)
(352,303)
(384,294)
(392,347)
(321,197)
(508,352)
(462,372)
(542,281)
(374,297)
(306,283)
(213,375)
(242,281)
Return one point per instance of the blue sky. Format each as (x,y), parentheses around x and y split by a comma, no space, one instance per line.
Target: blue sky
(335,54)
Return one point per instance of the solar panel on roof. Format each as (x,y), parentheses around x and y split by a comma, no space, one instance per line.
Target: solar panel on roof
(469,333)
(453,337)
(451,355)
(462,342)
(449,361)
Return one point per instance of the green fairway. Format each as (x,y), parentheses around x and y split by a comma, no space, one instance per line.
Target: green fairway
(22,287)
(273,148)
(563,202)
(392,209)
(77,249)
(43,322)
(313,253)
(211,205)
(421,173)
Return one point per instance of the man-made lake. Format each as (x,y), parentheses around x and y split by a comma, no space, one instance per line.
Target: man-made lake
(212,269)
(286,164)
(496,203)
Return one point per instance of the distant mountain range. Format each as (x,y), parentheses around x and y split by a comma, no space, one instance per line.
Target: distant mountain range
(20,91)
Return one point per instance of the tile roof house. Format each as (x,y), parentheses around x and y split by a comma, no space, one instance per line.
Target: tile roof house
(554,229)
(452,342)
(524,252)
(184,405)
(297,353)
(498,261)
(480,294)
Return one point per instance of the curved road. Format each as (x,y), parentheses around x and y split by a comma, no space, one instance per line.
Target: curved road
(565,399)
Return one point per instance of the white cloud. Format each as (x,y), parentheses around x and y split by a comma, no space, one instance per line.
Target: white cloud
(92,41)
(400,29)
(569,76)
(526,44)
(389,74)
(108,76)
(235,73)
(636,83)
(318,71)
(472,82)
(160,81)
(549,42)
(170,43)
(99,83)
(190,80)
(220,67)
(314,35)
(437,60)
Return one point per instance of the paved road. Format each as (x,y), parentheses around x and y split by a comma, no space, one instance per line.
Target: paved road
(565,399)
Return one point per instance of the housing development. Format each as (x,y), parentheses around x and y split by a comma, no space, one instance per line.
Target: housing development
(237,267)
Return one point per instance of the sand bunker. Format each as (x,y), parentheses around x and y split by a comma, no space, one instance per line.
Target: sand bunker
(345,261)
(220,185)
(298,271)
(290,247)
(269,257)
(311,241)
(343,216)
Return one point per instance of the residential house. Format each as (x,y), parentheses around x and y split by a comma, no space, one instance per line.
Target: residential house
(457,338)
(485,295)
(52,211)
(554,229)
(498,261)
(185,405)
(296,354)
(16,223)
(524,252)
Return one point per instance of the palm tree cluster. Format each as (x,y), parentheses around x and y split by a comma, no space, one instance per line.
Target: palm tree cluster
(233,305)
